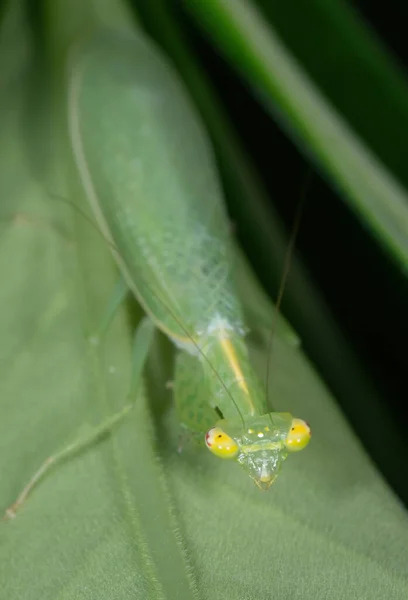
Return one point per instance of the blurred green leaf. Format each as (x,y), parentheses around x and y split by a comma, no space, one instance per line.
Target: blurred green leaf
(255,49)
(131,517)
(355,70)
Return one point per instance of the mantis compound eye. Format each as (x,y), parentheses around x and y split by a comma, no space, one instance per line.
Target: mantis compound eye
(220,443)
(299,435)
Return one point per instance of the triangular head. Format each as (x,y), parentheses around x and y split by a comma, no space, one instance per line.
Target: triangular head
(260,445)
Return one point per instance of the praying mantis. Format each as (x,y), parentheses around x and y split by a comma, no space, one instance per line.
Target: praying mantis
(174,251)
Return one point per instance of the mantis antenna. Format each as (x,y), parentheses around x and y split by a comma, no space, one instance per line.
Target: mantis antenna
(305,186)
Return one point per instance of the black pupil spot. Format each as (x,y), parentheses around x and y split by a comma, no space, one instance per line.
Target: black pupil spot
(219,435)
(293,429)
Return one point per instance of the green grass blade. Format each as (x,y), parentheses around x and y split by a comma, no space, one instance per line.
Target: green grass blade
(356,72)
(252,45)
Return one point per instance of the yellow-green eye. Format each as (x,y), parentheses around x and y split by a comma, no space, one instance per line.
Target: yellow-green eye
(298,436)
(220,443)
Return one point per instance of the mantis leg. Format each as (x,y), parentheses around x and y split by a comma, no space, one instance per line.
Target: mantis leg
(191,396)
(142,343)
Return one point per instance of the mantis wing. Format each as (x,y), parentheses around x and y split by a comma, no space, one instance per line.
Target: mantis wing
(149,173)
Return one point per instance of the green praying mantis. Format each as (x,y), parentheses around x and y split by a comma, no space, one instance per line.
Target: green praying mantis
(174,252)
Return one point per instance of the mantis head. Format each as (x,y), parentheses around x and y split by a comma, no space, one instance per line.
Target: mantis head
(261,446)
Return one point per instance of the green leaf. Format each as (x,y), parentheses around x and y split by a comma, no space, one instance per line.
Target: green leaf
(131,517)
(255,49)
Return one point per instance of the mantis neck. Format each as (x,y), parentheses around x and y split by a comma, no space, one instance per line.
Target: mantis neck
(233,385)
